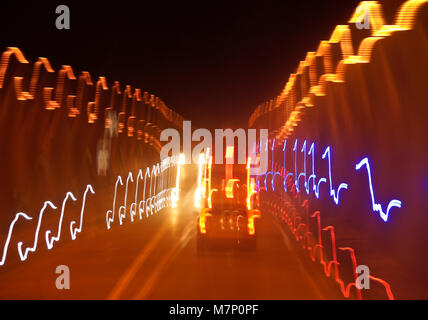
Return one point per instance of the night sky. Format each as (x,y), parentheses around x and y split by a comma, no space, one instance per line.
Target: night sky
(211,61)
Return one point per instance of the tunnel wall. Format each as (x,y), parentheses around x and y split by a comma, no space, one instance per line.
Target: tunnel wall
(359,101)
(61,131)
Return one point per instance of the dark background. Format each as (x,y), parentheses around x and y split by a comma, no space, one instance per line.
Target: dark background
(211,61)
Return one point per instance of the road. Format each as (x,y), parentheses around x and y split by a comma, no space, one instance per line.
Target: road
(156,258)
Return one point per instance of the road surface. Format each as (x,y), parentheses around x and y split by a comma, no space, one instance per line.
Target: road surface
(156,258)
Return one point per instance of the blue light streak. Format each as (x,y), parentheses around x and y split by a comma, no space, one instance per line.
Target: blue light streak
(313,176)
(315,187)
(304,167)
(333,193)
(296,181)
(258,176)
(377,207)
(271,172)
(288,174)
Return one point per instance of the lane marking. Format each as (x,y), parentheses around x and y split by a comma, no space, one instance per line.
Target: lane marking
(130,273)
(291,249)
(184,240)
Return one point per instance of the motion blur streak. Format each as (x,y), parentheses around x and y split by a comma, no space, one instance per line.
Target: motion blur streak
(79,229)
(346,184)
(176,191)
(188,233)
(44,114)
(133,269)
(9,234)
(360,93)
(49,242)
(377,206)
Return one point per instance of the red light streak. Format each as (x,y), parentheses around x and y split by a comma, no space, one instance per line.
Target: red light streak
(345,289)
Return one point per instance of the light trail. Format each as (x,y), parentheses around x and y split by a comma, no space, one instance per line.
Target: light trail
(157,202)
(108,219)
(303,174)
(23,256)
(290,219)
(377,207)
(9,235)
(74,231)
(23,253)
(49,242)
(133,208)
(123,207)
(286,175)
(334,193)
(156,199)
